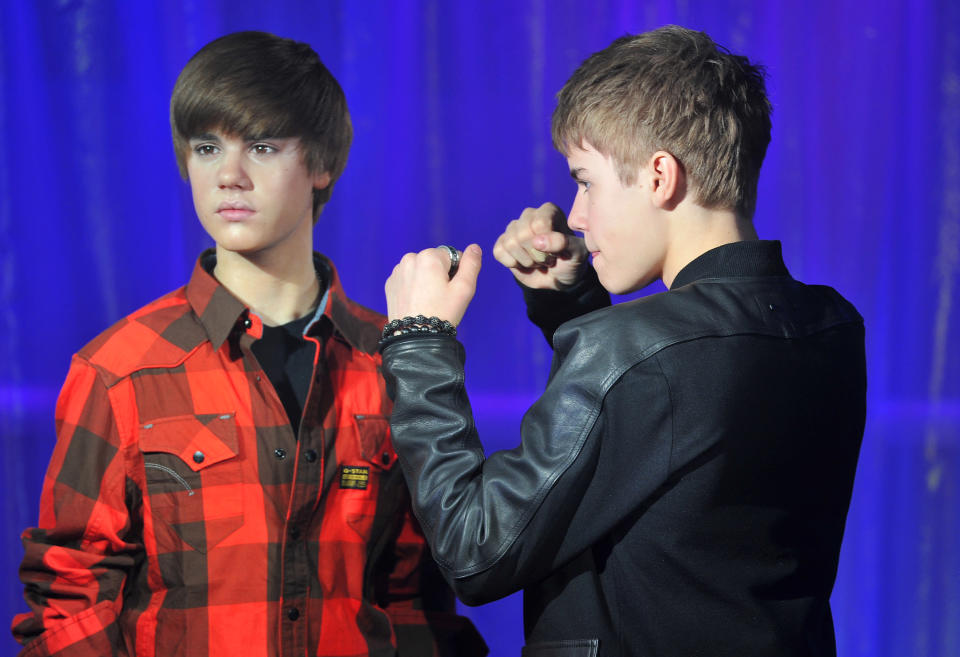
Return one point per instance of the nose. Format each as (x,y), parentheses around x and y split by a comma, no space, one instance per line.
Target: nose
(232,173)
(576,219)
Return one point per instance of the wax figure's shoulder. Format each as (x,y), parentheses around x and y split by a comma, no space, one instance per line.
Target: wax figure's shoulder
(361,326)
(609,341)
(160,334)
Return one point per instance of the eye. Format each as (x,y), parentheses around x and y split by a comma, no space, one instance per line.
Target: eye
(204,149)
(584,184)
(263,149)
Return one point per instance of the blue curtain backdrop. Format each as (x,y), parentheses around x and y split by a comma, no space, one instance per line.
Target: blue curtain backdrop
(451,104)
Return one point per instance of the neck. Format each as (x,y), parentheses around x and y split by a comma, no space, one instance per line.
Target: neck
(697,230)
(279,290)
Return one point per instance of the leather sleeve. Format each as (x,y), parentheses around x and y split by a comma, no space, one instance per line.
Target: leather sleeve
(497,524)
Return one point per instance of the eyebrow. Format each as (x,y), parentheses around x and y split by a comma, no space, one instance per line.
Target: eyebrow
(209,136)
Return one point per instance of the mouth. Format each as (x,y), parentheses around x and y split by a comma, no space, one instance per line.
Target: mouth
(234,210)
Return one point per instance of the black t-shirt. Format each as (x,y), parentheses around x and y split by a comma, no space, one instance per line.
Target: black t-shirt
(287,359)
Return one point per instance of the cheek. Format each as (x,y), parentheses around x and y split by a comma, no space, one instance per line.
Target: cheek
(195,191)
(284,185)
(198,180)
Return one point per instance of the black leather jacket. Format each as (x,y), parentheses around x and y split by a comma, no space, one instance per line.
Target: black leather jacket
(681,486)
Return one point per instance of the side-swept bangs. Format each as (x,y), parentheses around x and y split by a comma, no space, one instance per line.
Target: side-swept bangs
(257,85)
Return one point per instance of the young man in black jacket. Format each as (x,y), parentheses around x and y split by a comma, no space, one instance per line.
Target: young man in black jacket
(683,482)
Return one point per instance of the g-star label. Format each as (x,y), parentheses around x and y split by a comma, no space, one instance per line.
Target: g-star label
(354,476)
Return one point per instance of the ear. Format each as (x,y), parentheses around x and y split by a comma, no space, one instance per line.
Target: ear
(321,180)
(667,180)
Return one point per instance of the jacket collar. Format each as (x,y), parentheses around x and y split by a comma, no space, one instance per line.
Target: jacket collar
(737,259)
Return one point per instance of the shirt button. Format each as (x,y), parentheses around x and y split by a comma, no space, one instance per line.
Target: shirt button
(385,458)
(310,455)
(280,453)
(198,457)
(293,613)
(294,533)
(247,323)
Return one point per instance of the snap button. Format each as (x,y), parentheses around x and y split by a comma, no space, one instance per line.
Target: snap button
(310,455)
(198,457)
(294,533)
(280,453)
(293,613)
(385,458)
(247,323)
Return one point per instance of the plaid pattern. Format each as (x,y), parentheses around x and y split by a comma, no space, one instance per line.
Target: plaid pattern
(181,516)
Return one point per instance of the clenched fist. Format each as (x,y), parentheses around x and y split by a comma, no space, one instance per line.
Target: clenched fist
(540,250)
(420,285)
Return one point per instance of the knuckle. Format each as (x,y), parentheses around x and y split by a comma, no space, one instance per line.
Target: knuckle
(527,215)
(541,223)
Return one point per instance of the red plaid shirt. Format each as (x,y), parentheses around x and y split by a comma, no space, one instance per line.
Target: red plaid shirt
(181,516)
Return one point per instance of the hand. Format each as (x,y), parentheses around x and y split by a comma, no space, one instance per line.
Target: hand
(540,250)
(420,285)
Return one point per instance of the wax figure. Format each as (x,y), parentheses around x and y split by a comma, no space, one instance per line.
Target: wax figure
(683,482)
(223,481)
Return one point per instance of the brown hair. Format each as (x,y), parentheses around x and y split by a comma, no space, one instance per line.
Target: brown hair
(258,84)
(672,89)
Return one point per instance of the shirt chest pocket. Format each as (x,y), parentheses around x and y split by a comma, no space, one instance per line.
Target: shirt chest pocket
(193,475)
(367,467)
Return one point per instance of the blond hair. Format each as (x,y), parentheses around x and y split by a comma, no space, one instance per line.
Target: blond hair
(675,90)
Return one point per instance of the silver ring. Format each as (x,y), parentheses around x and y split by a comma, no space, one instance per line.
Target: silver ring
(454,259)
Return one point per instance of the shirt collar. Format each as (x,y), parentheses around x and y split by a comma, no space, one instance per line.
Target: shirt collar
(737,259)
(220,313)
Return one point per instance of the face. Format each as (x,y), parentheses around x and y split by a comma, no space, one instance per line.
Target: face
(253,196)
(625,234)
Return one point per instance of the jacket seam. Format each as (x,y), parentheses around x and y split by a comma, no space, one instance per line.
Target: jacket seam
(673,415)
(537,500)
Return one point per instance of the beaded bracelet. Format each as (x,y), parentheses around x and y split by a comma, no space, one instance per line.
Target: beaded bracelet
(419,325)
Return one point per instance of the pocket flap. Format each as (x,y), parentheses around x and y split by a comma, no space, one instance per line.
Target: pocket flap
(375,445)
(197,440)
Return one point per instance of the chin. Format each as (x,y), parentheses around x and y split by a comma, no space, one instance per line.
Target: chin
(613,287)
(241,247)
(624,287)
(238,239)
